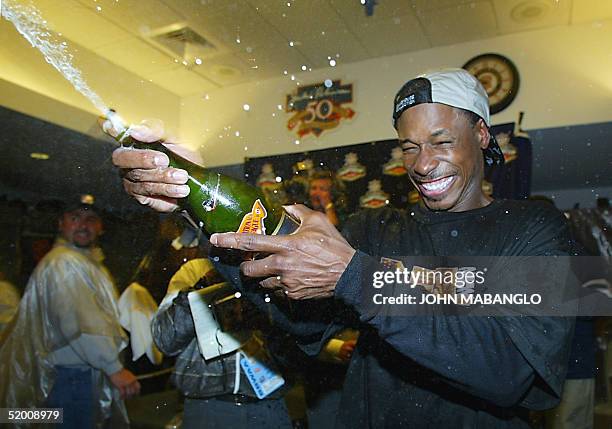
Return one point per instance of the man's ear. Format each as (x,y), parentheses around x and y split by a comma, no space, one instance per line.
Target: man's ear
(483,134)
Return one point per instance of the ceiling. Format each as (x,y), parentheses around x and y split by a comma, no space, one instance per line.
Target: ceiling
(250,40)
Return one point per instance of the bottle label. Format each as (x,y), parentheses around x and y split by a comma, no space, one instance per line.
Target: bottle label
(286,225)
(253,222)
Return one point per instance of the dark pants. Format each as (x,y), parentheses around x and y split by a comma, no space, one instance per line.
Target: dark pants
(73,392)
(212,413)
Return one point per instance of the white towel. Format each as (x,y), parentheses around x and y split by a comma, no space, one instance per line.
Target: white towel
(136,310)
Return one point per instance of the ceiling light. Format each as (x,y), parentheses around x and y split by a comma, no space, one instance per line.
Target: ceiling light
(39,155)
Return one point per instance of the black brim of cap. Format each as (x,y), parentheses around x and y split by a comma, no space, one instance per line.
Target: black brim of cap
(81,206)
(415,91)
(493,154)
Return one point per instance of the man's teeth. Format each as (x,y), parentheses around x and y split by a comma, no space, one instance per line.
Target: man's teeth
(437,185)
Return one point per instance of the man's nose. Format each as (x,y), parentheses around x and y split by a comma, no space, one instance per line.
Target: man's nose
(82,225)
(425,162)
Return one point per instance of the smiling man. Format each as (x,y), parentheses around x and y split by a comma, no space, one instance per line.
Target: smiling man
(433,370)
(443,136)
(62,349)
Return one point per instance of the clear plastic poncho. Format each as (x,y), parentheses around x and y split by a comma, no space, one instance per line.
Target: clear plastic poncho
(70,297)
(9,301)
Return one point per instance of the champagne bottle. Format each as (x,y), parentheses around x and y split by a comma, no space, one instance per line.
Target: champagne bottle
(219,203)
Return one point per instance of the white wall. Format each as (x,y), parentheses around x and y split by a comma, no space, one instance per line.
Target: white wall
(566,79)
(43,107)
(29,85)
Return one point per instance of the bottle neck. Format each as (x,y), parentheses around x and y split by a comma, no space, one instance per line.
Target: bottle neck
(175,160)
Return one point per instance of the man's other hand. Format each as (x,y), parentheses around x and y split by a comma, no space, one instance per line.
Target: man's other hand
(146,175)
(126,383)
(306,264)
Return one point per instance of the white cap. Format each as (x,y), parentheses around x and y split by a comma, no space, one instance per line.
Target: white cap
(458,88)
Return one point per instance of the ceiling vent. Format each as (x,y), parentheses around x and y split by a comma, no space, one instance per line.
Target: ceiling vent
(182,42)
(529,11)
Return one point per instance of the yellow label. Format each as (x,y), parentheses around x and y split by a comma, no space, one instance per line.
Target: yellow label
(253,222)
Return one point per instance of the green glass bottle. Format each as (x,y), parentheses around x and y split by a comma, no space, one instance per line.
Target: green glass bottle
(221,203)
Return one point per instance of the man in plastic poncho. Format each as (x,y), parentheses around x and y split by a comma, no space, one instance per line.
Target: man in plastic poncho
(62,348)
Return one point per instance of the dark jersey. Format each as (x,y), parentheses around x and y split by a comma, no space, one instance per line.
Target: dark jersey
(433,371)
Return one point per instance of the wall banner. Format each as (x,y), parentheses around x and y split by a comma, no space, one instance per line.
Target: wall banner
(319,107)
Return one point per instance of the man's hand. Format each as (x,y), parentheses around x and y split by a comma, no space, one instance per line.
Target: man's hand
(146,175)
(126,382)
(306,264)
(346,351)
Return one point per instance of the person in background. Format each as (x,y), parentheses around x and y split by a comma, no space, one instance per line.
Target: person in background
(325,195)
(576,409)
(217,392)
(324,375)
(166,255)
(9,301)
(62,351)
(172,246)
